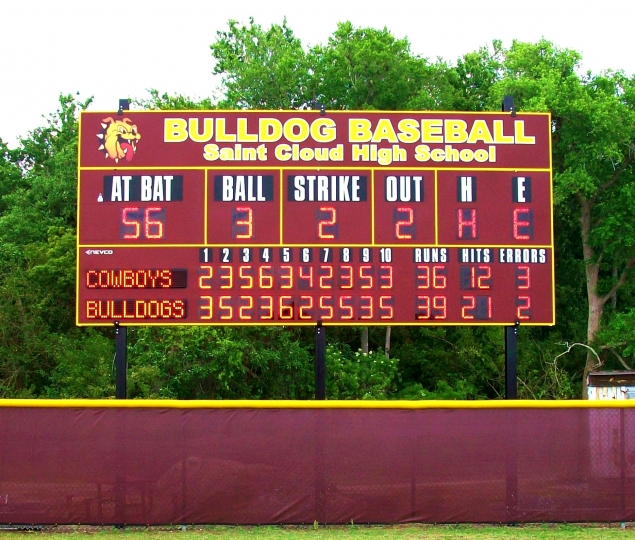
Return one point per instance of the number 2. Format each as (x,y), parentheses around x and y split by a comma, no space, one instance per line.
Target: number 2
(404,223)
(327,222)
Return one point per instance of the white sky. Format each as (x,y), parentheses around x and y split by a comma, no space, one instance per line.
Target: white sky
(114,50)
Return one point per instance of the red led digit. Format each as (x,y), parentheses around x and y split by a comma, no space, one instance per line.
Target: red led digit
(523,311)
(305,309)
(305,277)
(386,304)
(155,225)
(286,307)
(205,277)
(226,277)
(225,307)
(205,306)
(245,312)
(439,309)
(366,280)
(246,279)
(385,277)
(329,222)
(265,308)
(265,277)
(471,303)
(439,275)
(129,221)
(243,224)
(422,307)
(522,227)
(326,310)
(365,311)
(286,277)
(422,277)
(346,311)
(346,277)
(472,271)
(523,277)
(326,277)
(467,225)
(407,222)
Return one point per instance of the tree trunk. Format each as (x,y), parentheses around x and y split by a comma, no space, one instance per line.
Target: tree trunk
(387,346)
(365,340)
(596,308)
(596,303)
(615,278)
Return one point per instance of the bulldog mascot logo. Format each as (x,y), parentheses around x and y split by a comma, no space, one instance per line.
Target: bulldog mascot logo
(119,139)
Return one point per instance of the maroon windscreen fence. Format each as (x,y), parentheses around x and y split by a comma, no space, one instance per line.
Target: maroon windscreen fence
(161,465)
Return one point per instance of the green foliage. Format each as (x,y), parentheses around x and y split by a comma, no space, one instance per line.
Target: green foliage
(476,74)
(443,390)
(166,102)
(219,363)
(364,68)
(355,375)
(40,348)
(84,367)
(261,69)
(10,175)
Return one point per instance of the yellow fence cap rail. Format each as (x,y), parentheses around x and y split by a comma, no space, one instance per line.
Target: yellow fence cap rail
(297,404)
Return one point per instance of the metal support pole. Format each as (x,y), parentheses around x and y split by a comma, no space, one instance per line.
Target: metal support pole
(508,105)
(511,361)
(121,361)
(511,392)
(320,361)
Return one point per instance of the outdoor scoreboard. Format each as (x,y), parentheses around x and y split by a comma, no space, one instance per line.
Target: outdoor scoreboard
(293,217)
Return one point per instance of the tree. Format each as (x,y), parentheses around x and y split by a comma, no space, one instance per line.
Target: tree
(261,69)
(40,346)
(364,68)
(593,148)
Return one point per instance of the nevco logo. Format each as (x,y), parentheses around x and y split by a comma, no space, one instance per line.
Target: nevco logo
(99,252)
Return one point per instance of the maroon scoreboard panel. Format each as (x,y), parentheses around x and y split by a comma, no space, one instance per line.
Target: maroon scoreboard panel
(292,217)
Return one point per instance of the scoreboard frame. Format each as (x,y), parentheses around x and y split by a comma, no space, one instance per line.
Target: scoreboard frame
(294,218)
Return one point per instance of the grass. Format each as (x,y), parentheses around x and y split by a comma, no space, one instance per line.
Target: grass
(398,532)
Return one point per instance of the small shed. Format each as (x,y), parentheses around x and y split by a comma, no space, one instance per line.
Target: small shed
(611,385)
